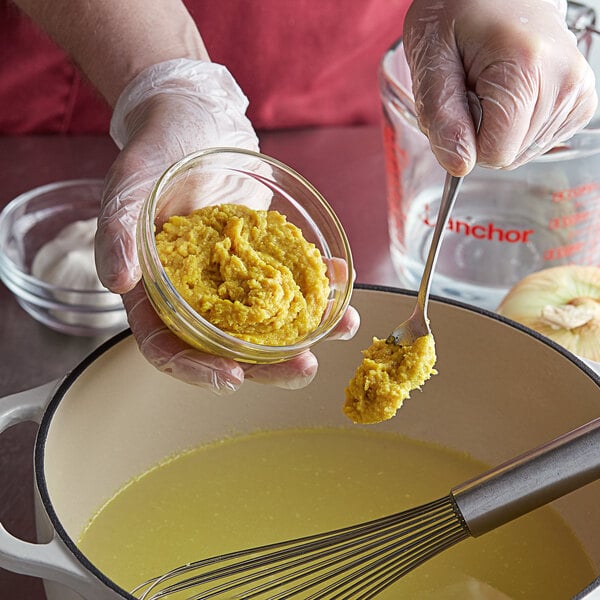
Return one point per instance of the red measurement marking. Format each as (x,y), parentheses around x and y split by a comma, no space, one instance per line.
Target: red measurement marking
(569,194)
(565,221)
(563,251)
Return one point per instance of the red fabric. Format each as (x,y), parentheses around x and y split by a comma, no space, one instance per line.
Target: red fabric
(301,63)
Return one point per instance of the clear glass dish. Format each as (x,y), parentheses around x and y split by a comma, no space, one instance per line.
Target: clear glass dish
(27,224)
(230,175)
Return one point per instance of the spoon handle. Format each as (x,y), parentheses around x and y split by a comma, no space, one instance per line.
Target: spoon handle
(451,187)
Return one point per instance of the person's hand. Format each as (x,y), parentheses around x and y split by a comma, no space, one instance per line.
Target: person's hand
(167,112)
(536,88)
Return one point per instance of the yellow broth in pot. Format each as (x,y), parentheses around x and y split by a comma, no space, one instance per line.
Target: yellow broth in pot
(269,486)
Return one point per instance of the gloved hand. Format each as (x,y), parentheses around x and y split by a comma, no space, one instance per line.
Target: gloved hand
(536,88)
(168,111)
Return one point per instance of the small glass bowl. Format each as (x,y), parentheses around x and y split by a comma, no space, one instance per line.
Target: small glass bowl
(231,175)
(69,303)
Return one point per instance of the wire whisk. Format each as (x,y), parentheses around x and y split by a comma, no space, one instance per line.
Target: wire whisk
(360,561)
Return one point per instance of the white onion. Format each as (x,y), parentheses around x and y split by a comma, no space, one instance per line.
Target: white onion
(562,303)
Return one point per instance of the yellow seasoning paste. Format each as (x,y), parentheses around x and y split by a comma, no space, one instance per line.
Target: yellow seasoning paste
(249,272)
(386,376)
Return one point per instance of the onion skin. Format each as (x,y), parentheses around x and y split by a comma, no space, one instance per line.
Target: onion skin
(566,286)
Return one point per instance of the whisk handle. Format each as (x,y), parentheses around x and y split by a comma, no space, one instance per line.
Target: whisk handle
(530,480)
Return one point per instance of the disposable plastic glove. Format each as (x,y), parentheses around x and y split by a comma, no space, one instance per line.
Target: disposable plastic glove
(168,111)
(535,86)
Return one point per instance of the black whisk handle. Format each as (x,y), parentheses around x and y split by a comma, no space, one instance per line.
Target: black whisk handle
(530,480)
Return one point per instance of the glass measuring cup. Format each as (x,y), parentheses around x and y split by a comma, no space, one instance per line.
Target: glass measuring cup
(505,224)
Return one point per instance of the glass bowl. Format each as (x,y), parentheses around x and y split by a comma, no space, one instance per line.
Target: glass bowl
(233,176)
(54,278)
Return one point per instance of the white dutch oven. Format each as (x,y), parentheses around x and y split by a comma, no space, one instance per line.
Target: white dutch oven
(500,390)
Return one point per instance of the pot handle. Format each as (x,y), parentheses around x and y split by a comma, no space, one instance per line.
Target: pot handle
(27,405)
(51,560)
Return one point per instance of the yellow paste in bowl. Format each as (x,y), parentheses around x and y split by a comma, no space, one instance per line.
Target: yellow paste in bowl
(386,376)
(249,272)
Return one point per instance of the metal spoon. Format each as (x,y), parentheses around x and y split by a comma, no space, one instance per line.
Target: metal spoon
(417,325)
